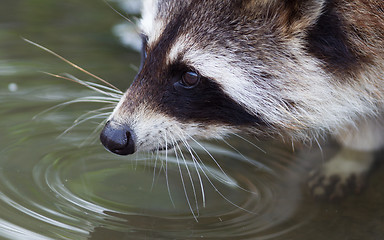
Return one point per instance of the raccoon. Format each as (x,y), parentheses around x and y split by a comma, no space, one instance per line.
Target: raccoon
(298,69)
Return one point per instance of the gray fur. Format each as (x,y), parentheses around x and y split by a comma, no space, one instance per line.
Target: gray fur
(281,61)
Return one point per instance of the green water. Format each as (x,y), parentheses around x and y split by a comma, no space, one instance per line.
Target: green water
(66,186)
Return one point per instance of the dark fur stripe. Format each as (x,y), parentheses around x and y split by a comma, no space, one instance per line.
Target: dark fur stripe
(206,103)
(328,42)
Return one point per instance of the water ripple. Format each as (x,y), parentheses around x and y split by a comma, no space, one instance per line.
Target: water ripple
(86,191)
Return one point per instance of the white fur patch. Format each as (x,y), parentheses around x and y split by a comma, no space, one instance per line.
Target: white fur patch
(154,130)
(150,24)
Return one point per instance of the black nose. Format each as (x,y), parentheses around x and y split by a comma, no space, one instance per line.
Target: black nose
(118,139)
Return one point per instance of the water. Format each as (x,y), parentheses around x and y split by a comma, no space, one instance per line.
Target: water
(66,186)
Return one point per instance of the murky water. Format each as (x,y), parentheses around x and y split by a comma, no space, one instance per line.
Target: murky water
(66,186)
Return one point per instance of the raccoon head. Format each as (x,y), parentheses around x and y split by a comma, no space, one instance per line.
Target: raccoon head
(211,68)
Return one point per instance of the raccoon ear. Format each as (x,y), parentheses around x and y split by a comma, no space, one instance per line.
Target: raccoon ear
(291,16)
(296,16)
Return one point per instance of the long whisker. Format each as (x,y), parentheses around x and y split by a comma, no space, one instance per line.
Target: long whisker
(93,86)
(91,112)
(117,92)
(82,121)
(201,165)
(211,156)
(195,162)
(190,177)
(99,126)
(235,149)
(182,181)
(155,165)
(246,140)
(254,163)
(100,99)
(89,85)
(166,169)
(226,176)
(120,14)
(70,63)
(210,181)
(79,100)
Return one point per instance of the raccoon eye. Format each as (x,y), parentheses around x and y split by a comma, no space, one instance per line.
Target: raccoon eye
(190,79)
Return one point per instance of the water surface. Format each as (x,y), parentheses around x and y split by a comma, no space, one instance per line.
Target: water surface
(66,186)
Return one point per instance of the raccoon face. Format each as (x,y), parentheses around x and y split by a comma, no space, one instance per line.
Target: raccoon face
(174,97)
(211,68)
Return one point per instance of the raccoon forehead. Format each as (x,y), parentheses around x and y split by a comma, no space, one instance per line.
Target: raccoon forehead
(150,24)
(156,14)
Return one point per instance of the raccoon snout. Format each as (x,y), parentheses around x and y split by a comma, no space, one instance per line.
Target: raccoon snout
(118,139)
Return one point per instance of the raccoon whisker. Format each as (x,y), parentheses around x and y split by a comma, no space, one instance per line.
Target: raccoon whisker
(221,179)
(183,182)
(119,13)
(195,162)
(201,165)
(136,162)
(82,100)
(253,144)
(211,156)
(62,77)
(154,171)
(102,99)
(98,128)
(190,177)
(160,157)
(79,100)
(90,99)
(70,63)
(92,112)
(166,169)
(99,99)
(94,87)
(101,115)
(247,160)
(155,165)
(97,85)
(236,150)
(105,90)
